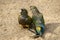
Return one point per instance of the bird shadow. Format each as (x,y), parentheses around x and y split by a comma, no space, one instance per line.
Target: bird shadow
(50,27)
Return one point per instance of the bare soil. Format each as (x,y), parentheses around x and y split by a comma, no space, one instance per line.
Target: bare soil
(10,28)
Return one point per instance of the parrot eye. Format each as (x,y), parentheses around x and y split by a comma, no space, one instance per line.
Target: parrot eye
(31,7)
(34,9)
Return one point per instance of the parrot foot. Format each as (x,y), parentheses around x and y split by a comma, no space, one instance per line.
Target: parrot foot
(36,36)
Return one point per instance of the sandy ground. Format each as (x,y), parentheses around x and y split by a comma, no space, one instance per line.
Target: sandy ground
(11,30)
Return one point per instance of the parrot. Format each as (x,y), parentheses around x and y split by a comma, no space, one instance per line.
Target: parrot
(24,19)
(38,21)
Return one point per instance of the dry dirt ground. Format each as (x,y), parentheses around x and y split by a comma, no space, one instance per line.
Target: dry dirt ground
(11,30)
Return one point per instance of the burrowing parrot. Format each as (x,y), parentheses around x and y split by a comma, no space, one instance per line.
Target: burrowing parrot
(38,21)
(24,19)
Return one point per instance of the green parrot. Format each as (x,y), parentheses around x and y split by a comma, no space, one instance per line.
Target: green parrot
(38,21)
(24,19)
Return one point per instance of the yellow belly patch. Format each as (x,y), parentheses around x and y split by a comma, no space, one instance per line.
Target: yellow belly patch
(38,28)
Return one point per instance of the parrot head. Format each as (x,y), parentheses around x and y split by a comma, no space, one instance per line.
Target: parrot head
(34,9)
(24,12)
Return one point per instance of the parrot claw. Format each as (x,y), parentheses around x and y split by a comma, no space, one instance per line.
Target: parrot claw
(25,27)
(36,36)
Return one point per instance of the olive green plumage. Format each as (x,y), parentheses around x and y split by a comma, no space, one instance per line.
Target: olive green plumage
(38,21)
(24,19)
